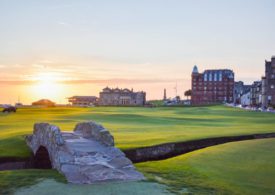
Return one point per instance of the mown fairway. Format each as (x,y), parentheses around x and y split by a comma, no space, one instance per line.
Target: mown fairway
(136,127)
(245,167)
(238,168)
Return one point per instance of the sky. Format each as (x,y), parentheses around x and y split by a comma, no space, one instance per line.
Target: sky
(58,48)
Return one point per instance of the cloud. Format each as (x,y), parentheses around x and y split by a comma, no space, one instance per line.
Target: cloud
(115,81)
(63,23)
(17,82)
(18,66)
(38,66)
(119,81)
(2,66)
(46,61)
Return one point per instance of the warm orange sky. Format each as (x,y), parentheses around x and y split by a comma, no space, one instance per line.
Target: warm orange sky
(58,78)
(56,49)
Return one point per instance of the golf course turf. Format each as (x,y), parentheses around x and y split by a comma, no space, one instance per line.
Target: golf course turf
(134,127)
(245,167)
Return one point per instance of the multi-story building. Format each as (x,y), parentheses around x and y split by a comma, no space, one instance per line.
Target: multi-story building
(83,100)
(212,86)
(268,84)
(116,97)
(239,90)
(256,93)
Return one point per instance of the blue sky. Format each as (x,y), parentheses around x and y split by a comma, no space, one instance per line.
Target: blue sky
(152,43)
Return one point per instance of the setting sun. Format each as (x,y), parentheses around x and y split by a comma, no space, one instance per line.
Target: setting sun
(47,85)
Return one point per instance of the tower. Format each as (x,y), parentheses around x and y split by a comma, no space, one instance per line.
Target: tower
(164,95)
(268,84)
(195,70)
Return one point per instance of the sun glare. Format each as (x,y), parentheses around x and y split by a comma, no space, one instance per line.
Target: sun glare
(47,86)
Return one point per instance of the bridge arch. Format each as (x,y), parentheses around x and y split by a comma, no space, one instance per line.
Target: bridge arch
(42,158)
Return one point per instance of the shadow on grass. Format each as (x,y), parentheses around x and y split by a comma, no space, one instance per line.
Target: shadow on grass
(12,180)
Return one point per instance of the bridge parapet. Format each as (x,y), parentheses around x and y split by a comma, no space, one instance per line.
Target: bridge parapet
(92,130)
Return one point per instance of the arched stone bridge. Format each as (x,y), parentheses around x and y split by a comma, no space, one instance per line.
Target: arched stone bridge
(86,155)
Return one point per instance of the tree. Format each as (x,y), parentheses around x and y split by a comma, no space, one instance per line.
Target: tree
(188,93)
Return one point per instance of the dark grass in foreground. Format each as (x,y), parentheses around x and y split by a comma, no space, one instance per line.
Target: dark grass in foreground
(10,181)
(245,167)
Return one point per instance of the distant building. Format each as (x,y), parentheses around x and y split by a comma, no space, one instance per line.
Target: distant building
(212,86)
(83,100)
(246,99)
(116,97)
(44,102)
(239,90)
(268,84)
(256,93)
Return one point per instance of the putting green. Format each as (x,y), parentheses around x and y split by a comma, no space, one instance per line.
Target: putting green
(134,188)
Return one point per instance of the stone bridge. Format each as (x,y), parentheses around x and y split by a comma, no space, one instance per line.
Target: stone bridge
(86,155)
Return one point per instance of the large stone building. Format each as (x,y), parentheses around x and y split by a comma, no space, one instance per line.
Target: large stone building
(268,84)
(212,86)
(116,97)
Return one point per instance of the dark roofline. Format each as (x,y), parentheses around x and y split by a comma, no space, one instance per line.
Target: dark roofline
(216,70)
(121,90)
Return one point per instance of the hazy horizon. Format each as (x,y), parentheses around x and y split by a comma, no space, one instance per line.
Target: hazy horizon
(56,49)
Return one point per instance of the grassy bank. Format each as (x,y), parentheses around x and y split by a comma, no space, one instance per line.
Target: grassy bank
(245,167)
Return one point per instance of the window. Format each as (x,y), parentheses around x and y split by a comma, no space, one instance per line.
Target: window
(220,76)
(210,77)
(215,77)
(205,77)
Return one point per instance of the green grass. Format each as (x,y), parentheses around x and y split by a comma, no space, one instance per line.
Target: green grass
(241,167)
(245,167)
(136,127)
(12,180)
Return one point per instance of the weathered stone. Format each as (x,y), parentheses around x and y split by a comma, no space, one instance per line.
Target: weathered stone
(93,130)
(84,156)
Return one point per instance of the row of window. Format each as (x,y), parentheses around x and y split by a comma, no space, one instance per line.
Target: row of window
(209,84)
(212,88)
(209,100)
(215,77)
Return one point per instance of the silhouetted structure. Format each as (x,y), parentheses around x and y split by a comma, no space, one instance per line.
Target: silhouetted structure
(44,102)
(164,95)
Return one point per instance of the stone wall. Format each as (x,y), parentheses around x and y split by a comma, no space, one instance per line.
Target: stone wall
(93,130)
(168,150)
